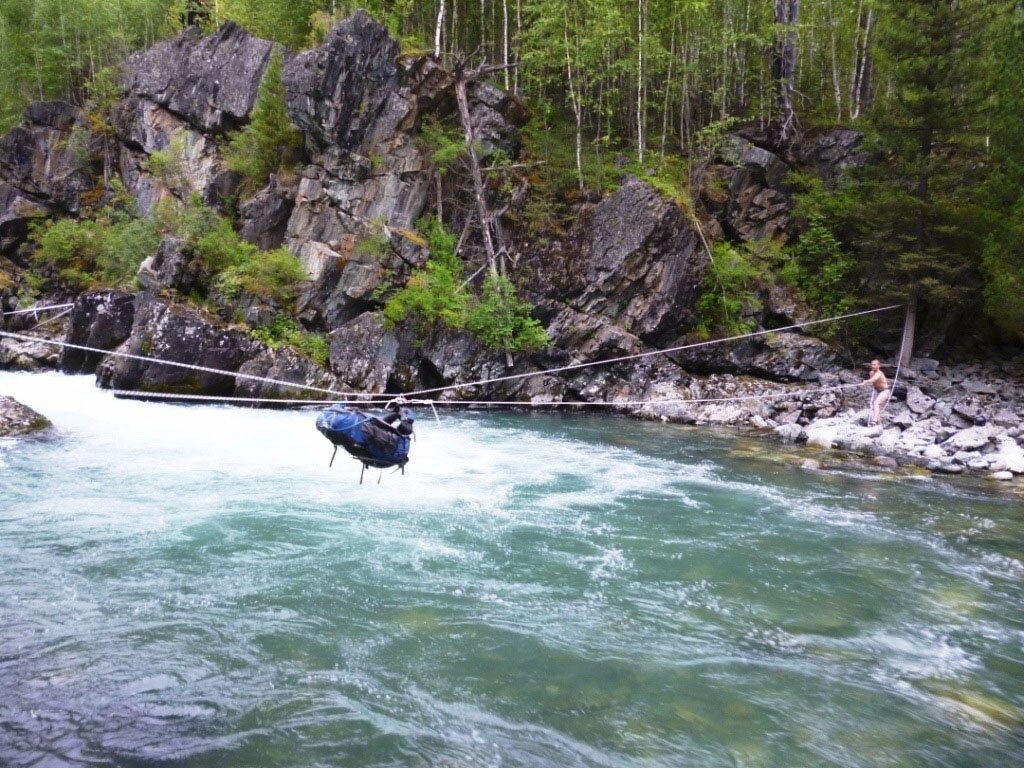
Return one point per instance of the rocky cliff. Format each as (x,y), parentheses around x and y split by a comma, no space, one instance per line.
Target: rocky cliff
(624,279)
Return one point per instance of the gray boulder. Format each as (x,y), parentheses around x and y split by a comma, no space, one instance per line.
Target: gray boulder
(833,153)
(639,266)
(173,266)
(363,353)
(39,161)
(970,439)
(182,335)
(17,420)
(312,382)
(102,320)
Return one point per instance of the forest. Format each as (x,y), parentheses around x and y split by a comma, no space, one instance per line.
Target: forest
(936,86)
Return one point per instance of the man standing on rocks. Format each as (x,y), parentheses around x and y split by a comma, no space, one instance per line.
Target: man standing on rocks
(879,393)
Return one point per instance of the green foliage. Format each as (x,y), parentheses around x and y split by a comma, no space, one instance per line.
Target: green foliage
(233,264)
(438,294)
(727,295)
(284,21)
(51,47)
(500,320)
(273,274)
(270,141)
(823,271)
(445,143)
(105,251)
(168,164)
(285,332)
(434,293)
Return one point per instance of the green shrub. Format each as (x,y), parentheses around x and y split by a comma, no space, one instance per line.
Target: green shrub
(727,293)
(168,164)
(285,332)
(105,251)
(438,294)
(274,274)
(500,320)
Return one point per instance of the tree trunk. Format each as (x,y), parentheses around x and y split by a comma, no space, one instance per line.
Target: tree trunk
(437,29)
(787,13)
(909,327)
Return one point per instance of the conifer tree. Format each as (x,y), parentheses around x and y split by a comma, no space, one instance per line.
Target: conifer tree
(269,141)
(919,241)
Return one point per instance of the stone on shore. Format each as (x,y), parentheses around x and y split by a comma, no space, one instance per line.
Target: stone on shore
(17,420)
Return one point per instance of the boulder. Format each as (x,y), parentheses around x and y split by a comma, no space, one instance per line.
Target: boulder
(41,164)
(102,320)
(18,210)
(313,382)
(363,353)
(970,439)
(640,265)
(173,266)
(918,402)
(833,153)
(338,92)
(264,216)
(1008,456)
(182,335)
(17,420)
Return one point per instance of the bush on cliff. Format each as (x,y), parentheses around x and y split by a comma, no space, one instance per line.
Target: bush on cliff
(437,293)
(105,251)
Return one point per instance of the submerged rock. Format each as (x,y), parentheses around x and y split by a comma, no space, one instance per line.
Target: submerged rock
(17,420)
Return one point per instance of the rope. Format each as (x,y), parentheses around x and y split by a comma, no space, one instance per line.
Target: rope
(36,309)
(372,402)
(450,387)
(576,366)
(58,316)
(175,364)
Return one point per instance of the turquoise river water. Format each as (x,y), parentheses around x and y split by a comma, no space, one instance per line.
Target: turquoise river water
(193,586)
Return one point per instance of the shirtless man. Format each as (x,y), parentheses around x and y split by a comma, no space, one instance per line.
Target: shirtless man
(879,393)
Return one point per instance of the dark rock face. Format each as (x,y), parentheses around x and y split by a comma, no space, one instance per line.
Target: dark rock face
(102,320)
(17,420)
(17,211)
(39,170)
(172,266)
(363,353)
(264,217)
(181,335)
(285,365)
(496,117)
(833,153)
(640,266)
(337,92)
(210,81)
(754,206)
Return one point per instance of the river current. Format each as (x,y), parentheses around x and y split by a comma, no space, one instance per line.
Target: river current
(191,585)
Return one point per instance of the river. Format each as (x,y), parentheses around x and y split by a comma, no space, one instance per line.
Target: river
(193,586)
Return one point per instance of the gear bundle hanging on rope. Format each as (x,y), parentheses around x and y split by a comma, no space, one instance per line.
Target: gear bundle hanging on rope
(373,440)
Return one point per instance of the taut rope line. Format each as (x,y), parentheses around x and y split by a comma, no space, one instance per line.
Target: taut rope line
(34,310)
(378,400)
(175,364)
(368,395)
(650,353)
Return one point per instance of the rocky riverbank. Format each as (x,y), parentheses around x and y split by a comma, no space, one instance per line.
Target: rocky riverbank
(610,277)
